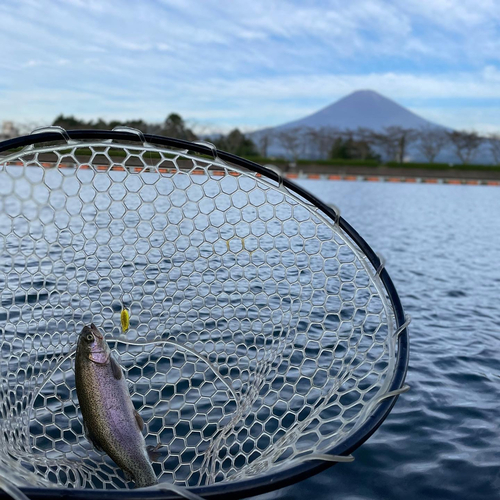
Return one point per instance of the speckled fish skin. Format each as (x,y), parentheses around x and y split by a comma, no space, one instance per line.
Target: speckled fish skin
(111,421)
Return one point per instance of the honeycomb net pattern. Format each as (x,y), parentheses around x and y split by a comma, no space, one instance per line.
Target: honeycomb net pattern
(260,335)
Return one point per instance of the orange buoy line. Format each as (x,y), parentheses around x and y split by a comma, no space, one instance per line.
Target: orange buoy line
(288,175)
(411,180)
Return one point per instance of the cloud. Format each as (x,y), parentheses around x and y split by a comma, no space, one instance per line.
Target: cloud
(250,63)
(455,15)
(483,120)
(280,99)
(32,63)
(397,85)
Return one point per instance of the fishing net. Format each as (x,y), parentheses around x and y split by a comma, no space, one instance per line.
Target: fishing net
(265,336)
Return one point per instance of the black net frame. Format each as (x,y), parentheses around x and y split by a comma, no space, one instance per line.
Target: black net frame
(286,476)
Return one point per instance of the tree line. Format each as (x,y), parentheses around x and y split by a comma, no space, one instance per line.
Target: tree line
(390,144)
(173,126)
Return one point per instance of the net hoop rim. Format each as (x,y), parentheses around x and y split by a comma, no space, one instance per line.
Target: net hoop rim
(281,478)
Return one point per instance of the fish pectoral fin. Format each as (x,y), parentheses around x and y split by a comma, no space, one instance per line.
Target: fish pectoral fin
(117,371)
(90,438)
(138,419)
(153,452)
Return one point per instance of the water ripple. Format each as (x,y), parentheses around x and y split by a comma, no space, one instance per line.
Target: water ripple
(441,439)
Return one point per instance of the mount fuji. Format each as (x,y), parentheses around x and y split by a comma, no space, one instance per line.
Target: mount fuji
(363,108)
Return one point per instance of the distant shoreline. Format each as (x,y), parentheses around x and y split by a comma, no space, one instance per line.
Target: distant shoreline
(461,174)
(385,172)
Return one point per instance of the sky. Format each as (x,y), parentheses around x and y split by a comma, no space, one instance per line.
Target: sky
(250,64)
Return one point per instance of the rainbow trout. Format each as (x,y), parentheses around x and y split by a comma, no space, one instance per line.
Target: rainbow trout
(110,420)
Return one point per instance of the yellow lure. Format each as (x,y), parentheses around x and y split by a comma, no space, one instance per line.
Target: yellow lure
(125,319)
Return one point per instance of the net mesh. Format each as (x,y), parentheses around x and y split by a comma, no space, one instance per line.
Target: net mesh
(260,335)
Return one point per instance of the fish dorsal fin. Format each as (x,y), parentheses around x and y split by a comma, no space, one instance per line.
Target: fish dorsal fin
(138,419)
(117,371)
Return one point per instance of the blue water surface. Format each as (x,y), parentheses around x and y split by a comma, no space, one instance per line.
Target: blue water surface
(441,244)
(442,249)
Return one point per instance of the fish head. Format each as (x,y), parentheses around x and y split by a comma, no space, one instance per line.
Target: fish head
(93,345)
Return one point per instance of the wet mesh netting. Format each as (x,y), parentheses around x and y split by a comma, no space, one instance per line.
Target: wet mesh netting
(260,335)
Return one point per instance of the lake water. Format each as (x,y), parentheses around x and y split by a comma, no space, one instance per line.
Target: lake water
(442,250)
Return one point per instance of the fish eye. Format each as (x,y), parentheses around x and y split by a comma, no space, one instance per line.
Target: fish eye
(90,337)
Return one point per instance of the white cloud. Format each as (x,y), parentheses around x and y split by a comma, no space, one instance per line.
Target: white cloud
(279,99)
(163,47)
(256,63)
(32,63)
(395,85)
(482,120)
(455,15)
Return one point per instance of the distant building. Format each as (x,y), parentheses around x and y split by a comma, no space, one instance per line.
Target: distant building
(9,130)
